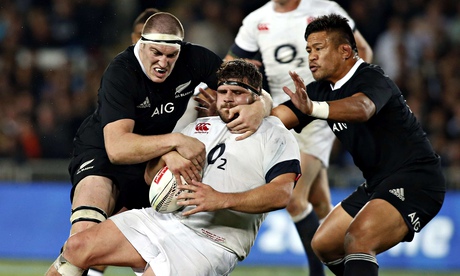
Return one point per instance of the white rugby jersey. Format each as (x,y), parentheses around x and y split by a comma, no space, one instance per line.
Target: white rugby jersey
(237,166)
(280,39)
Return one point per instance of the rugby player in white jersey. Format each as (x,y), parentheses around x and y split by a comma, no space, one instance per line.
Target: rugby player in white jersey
(276,30)
(242,181)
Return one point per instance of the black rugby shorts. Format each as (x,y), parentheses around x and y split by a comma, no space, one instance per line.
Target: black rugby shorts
(410,191)
(129,179)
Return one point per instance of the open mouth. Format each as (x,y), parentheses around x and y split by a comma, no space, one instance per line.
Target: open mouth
(160,70)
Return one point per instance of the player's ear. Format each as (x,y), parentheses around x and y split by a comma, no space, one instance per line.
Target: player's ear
(346,51)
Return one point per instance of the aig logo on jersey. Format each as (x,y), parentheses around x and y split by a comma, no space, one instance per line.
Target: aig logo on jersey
(336,127)
(162,109)
(202,127)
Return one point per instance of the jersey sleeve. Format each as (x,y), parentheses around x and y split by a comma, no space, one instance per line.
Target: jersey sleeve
(281,154)
(378,89)
(246,39)
(116,95)
(304,119)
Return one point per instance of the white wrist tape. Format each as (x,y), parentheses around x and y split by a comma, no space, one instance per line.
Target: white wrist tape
(320,110)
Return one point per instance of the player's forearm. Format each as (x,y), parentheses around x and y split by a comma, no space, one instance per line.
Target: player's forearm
(269,197)
(132,148)
(358,108)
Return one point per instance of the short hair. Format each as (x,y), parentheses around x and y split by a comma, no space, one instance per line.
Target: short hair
(334,24)
(143,16)
(242,71)
(163,23)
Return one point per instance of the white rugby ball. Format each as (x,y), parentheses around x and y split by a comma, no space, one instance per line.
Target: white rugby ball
(163,192)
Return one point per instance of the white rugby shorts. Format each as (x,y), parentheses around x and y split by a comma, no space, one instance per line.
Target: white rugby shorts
(316,139)
(170,247)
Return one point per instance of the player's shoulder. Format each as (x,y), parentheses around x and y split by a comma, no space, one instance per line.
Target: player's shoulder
(323,7)
(124,66)
(319,5)
(369,69)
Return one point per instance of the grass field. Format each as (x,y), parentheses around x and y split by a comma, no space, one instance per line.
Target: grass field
(35,268)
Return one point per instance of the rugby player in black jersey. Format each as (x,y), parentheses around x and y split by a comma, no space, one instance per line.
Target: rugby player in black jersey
(404,185)
(143,93)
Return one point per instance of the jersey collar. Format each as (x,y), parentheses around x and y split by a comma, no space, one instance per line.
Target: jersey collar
(350,73)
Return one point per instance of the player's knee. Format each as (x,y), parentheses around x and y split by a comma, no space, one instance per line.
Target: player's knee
(359,242)
(296,206)
(75,247)
(317,246)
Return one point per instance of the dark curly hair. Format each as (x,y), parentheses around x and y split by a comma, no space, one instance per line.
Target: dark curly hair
(242,71)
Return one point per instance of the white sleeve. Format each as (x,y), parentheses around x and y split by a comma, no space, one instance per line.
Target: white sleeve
(246,38)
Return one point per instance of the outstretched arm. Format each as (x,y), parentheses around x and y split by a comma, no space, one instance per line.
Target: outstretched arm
(269,197)
(356,108)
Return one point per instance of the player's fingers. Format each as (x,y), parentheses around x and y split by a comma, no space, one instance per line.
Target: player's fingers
(202,103)
(208,94)
(244,135)
(288,91)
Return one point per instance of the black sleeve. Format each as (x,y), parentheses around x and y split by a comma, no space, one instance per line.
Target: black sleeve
(377,86)
(304,119)
(116,94)
(237,52)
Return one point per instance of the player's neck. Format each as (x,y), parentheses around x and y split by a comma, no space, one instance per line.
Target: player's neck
(286,6)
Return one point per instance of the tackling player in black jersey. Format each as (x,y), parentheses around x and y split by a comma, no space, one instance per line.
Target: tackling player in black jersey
(404,186)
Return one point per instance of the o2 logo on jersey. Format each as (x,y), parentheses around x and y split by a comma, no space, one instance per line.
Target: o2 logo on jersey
(287,53)
(214,156)
(162,109)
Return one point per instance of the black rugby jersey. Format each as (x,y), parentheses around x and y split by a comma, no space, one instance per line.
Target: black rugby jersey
(389,140)
(127,93)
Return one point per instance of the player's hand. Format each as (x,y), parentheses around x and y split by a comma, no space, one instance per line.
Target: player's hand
(300,97)
(206,102)
(248,118)
(203,196)
(192,149)
(179,165)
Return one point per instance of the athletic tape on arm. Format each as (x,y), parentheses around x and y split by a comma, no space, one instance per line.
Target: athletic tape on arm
(320,110)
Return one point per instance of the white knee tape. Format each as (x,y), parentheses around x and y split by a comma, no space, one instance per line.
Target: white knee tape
(65,268)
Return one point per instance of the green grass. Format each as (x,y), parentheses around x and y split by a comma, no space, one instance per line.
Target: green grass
(38,268)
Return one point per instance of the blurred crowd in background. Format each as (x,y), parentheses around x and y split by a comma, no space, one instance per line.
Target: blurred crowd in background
(53,53)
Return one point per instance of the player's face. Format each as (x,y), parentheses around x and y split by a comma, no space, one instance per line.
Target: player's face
(324,57)
(229,96)
(158,60)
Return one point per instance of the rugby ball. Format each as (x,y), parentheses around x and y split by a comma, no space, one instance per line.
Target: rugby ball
(163,192)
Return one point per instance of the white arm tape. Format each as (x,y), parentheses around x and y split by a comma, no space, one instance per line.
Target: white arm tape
(320,110)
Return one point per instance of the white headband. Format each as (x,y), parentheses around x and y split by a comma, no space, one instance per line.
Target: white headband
(162,39)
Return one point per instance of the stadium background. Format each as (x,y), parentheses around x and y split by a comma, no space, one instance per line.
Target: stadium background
(53,52)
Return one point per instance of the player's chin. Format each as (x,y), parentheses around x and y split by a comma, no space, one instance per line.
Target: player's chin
(224,115)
